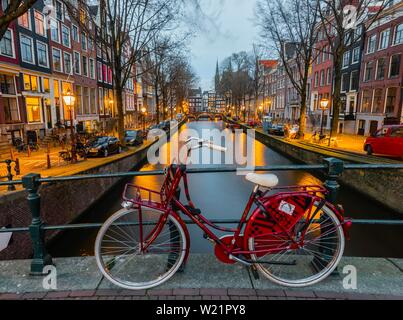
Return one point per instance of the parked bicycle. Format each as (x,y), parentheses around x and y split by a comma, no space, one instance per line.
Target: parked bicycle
(21,146)
(294,238)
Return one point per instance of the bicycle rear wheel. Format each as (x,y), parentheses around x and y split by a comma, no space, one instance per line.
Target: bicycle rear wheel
(136,250)
(292,261)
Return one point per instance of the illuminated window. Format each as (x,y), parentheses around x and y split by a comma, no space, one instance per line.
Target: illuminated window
(46,87)
(25,20)
(33,109)
(39,19)
(30,82)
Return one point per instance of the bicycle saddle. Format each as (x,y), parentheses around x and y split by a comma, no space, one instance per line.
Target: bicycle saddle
(263,180)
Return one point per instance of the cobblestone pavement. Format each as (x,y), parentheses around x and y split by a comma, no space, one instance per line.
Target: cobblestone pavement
(194,294)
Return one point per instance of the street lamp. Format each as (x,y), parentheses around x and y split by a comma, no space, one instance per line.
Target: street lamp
(324,104)
(144,111)
(69,100)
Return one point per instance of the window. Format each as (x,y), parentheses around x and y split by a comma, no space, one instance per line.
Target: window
(85,66)
(101,100)
(92,69)
(7,84)
(369,69)
(39,23)
(346,59)
(355,79)
(366,101)
(46,87)
(86,100)
(329,76)
(90,44)
(27,53)
(66,36)
(371,44)
(399,34)
(395,65)
(42,52)
(30,83)
(357,33)
(11,111)
(347,39)
(345,82)
(5,4)
(318,61)
(6,44)
(79,99)
(25,20)
(54,30)
(33,109)
(380,70)
(83,41)
(391,100)
(109,75)
(59,10)
(356,55)
(67,63)
(57,60)
(92,101)
(378,101)
(397,132)
(322,78)
(384,40)
(99,71)
(77,65)
(75,34)
(104,73)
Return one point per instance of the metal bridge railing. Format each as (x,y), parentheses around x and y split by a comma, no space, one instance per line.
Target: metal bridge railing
(332,169)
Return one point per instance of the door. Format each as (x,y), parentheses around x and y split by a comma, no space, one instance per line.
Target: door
(373,127)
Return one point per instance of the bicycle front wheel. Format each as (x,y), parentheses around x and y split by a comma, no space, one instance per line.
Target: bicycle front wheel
(137,250)
(306,255)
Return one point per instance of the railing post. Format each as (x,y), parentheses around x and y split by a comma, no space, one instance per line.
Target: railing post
(40,258)
(335,168)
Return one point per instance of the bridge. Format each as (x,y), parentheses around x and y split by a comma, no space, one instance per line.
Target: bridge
(210,116)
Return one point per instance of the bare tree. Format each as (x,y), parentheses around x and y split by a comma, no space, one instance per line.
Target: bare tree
(256,75)
(15,9)
(335,19)
(126,30)
(289,25)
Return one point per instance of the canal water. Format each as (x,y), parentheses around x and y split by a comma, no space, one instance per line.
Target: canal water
(224,196)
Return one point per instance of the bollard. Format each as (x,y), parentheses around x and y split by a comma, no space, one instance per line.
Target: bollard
(40,257)
(12,153)
(17,167)
(49,165)
(29,151)
(9,175)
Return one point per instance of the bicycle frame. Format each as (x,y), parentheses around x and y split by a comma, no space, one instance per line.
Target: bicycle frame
(170,204)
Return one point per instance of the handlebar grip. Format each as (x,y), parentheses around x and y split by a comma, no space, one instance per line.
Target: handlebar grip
(218,148)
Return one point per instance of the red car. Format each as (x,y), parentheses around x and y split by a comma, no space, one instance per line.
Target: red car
(387,141)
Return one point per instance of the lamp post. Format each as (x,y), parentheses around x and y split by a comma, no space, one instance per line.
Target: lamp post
(143,112)
(69,100)
(324,104)
(261,111)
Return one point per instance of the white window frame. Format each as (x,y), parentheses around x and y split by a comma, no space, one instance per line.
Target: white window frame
(32,49)
(351,80)
(82,66)
(47,53)
(359,55)
(99,72)
(86,41)
(62,6)
(12,45)
(74,62)
(71,62)
(29,21)
(342,82)
(390,65)
(58,29)
(61,60)
(73,26)
(344,66)
(395,34)
(93,69)
(381,38)
(369,42)
(61,31)
(45,35)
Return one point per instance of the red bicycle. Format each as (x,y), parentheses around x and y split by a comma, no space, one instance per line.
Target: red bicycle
(294,238)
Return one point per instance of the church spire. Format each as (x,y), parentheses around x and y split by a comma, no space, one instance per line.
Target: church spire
(217,78)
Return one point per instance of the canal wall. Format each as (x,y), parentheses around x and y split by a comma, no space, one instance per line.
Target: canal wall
(62,203)
(383,186)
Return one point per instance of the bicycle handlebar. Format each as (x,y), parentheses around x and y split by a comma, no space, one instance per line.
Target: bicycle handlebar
(204,143)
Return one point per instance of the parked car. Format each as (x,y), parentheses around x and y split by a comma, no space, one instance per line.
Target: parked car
(277,130)
(134,137)
(387,141)
(104,146)
(254,123)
